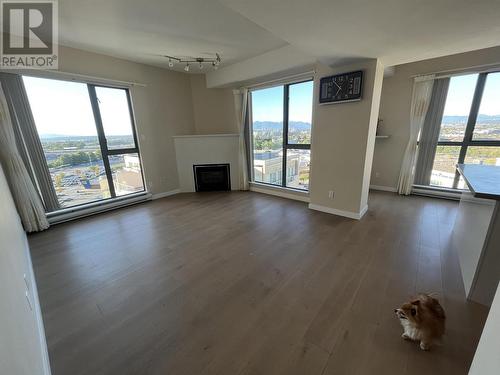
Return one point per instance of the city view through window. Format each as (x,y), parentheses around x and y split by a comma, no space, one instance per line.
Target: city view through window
(276,140)
(71,144)
(482,146)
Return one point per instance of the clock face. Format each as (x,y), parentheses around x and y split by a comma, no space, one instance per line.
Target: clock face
(341,87)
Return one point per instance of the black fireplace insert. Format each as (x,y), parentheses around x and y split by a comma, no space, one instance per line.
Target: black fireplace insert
(212,177)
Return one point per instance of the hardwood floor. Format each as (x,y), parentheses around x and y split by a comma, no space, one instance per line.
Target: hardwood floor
(245,283)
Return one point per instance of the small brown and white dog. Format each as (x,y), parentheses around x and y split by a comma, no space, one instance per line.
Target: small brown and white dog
(423,320)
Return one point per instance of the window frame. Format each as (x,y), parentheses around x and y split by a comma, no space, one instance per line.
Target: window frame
(103,143)
(285,144)
(105,152)
(469,129)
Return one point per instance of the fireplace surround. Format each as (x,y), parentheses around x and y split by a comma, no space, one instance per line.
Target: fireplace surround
(212,177)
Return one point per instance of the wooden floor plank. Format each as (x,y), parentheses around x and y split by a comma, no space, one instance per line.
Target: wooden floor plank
(245,283)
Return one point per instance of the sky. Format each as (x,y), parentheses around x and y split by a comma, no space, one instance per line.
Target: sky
(63,108)
(461,91)
(267,104)
(490,103)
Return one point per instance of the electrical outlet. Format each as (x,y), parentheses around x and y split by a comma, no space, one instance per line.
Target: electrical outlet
(377,174)
(331,194)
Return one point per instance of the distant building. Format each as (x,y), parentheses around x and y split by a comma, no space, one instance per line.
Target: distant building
(132,162)
(128,179)
(268,167)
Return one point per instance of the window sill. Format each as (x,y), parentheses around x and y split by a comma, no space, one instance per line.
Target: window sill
(279,191)
(72,213)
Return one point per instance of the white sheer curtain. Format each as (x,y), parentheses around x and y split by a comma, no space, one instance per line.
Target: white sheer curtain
(28,142)
(429,135)
(28,202)
(241,107)
(422,92)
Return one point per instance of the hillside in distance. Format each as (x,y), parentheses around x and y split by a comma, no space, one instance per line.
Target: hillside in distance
(62,137)
(483,119)
(277,126)
(305,126)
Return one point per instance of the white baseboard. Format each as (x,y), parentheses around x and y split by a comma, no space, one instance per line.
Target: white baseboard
(38,313)
(363,212)
(334,211)
(165,194)
(383,188)
(280,192)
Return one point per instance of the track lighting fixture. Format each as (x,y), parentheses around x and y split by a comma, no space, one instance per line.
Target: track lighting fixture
(214,61)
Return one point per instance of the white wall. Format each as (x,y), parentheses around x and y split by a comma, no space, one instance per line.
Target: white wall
(485,284)
(395,108)
(23,349)
(487,358)
(213,109)
(343,137)
(469,235)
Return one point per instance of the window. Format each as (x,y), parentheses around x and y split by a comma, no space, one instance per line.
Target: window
(444,168)
(487,127)
(88,139)
(457,108)
(281,134)
(470,128)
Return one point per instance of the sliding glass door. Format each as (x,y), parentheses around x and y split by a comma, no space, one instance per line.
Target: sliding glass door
(267,130)
(113,115)
(88,138)
(298,134)
(281,134)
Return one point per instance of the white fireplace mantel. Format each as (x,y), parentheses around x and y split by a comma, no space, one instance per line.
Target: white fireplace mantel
(205,149)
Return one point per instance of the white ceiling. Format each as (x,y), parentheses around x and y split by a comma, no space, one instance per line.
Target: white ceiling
(332,31)
(396,31)
(142,31)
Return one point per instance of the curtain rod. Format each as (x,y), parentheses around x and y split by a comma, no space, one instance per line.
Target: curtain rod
(457,71)
(72,76)
(282,79)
